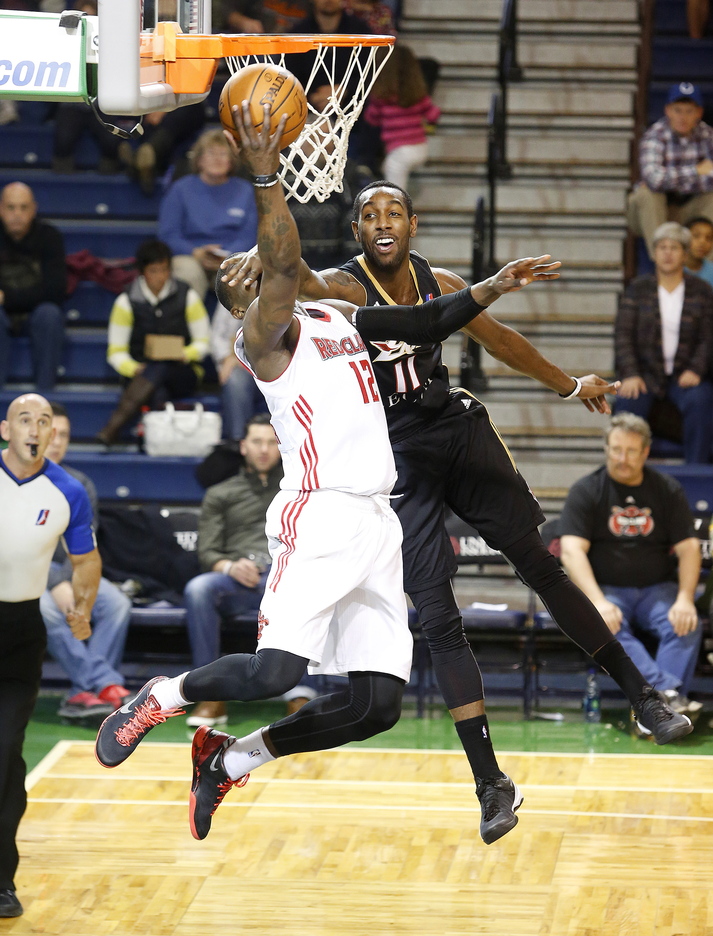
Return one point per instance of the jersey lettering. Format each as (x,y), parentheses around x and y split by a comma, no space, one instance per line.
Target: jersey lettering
(328,348)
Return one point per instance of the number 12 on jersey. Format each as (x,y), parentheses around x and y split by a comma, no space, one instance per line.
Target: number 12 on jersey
(370,395)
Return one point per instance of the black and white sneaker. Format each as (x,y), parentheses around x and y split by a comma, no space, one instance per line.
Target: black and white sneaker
(122,731)
(500,798)
(655,716)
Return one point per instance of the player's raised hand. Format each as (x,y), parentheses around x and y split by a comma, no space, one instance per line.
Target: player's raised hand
(520,273)
(593,390)
(259,150)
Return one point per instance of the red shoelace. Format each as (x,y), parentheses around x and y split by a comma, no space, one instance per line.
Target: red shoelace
(144,718)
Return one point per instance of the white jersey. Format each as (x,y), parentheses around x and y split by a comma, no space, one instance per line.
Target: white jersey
(326,409)
(36,512)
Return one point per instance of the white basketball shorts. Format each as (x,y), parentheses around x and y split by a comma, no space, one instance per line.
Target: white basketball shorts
(335,590)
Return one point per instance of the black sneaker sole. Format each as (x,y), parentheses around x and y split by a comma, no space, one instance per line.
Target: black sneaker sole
(674,732)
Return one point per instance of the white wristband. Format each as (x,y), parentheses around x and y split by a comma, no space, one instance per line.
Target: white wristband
(575,392)
(226,571)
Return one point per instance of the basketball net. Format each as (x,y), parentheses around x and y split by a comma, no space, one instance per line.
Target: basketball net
(313,165)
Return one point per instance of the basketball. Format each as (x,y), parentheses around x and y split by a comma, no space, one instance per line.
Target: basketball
(262,84)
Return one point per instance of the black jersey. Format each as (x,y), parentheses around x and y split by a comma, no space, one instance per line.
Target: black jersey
(413,380)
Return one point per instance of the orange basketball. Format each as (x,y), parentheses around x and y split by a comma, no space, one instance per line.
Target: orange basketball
(265,84)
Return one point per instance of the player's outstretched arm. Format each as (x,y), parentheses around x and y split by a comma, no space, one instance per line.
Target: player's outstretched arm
(246,268)
(270,317)
(509,346)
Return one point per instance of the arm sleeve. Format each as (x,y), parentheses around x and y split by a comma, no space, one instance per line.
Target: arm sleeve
(427,323)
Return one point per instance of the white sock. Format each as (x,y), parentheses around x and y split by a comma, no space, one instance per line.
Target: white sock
(167,693)
(246,754)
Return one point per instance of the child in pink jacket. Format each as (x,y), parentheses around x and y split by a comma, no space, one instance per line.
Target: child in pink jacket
(401,107)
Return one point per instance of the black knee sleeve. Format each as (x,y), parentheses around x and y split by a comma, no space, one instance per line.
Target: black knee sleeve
(371,704)
(569,607)
(454,665)
(245,677)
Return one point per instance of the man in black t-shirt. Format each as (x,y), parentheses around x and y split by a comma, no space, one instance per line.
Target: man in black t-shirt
(628,542)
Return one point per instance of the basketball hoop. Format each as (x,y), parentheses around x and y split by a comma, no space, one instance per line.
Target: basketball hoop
(313,165)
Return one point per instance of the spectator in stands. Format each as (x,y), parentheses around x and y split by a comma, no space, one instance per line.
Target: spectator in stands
(676,166)
(33,281)
(663,339)
(286,13)
(628,541)
(326,16)
(232,548)
(158,334)
(207,214)
(246,16)
(378,16)
(241,398)
(401,107)
(92,665)
(164,134)
(699,247)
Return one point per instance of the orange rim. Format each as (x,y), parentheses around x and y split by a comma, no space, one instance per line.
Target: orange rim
(169,45)
(190,60)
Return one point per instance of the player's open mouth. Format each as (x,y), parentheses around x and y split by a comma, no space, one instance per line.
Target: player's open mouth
(384,243)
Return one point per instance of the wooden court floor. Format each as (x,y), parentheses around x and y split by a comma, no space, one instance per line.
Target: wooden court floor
(355,842)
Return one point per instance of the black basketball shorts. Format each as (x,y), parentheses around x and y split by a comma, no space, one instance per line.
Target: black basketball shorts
(458,460)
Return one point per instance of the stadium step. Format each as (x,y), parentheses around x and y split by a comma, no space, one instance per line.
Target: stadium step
(89,304)
(89,409)
(84,194)
(84,357)
(138,477)
(105,238)
(577,152)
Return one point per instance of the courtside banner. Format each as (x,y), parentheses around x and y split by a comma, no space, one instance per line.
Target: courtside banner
(41,60)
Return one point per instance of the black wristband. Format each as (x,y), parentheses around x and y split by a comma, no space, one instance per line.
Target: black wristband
(266,181)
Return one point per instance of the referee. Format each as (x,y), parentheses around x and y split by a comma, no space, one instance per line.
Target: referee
(40,502)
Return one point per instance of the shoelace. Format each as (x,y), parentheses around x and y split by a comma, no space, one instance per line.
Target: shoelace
(489,800)
(144,718)
(653,703)
(224,787)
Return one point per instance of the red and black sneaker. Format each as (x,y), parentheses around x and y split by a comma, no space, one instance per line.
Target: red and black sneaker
(122,731)
(210,781)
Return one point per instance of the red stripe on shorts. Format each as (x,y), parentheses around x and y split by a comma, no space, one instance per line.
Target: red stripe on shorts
(308,450)
(288,534)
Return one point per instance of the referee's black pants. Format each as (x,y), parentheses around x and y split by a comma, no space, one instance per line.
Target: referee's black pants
(22,648)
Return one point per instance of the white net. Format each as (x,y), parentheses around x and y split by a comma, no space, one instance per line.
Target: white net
(313,165)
